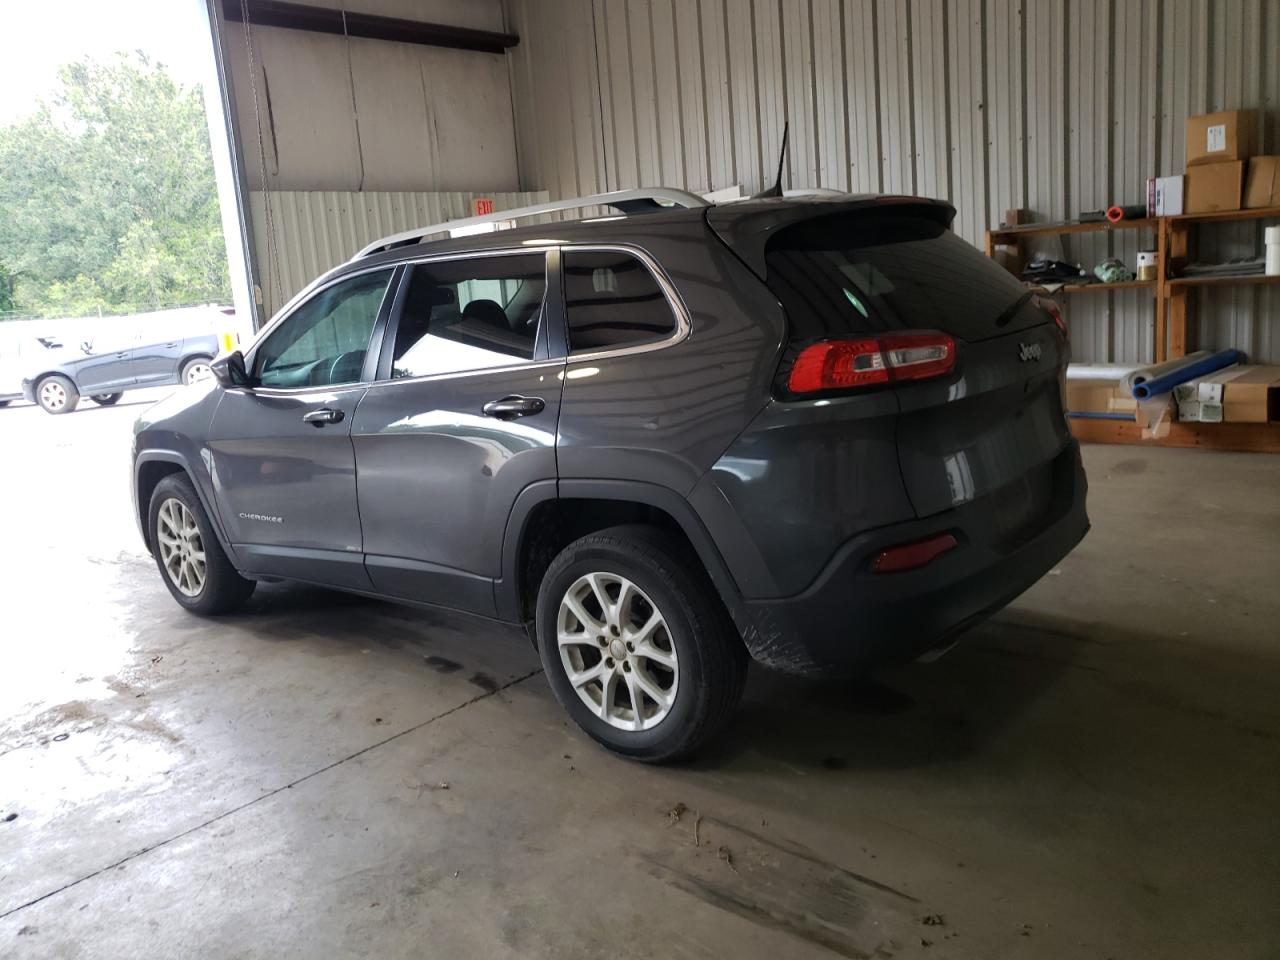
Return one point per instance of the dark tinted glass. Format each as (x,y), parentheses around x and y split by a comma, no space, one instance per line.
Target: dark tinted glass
(323,342)
(470,315)
(612,300)
(863,273)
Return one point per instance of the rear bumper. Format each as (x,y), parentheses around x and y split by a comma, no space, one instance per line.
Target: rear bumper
(851,620)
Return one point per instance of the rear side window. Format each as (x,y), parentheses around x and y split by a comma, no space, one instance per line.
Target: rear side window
(881,271)
(613,301)
(470,315)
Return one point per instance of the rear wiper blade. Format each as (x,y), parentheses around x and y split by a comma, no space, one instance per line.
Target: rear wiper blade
(1011,311)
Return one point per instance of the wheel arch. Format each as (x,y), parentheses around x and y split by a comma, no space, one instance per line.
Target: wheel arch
(152,466)
(548,516)
(38,378)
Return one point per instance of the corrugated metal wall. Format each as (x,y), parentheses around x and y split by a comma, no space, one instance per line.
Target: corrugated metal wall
(309,232)
(1058,106)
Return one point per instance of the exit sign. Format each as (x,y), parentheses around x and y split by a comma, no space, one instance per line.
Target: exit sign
(483,206)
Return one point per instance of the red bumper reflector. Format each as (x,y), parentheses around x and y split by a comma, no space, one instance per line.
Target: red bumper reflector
(909,556)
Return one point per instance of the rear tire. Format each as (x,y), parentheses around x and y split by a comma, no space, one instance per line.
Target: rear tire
(195,370)
(56,394)
(192,562)
(686,674)
(106,399)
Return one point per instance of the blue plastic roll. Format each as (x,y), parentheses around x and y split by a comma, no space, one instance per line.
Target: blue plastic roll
(1215,361)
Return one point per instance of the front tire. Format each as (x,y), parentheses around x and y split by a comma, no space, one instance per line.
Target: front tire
(56,394)
(187,552)
(636,644)
(106,399)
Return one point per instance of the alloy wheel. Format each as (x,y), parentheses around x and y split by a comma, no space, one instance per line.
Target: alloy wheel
(181,549)
(617,651)
(197,372)
(53,396)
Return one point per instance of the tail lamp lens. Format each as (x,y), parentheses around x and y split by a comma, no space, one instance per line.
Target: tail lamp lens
(848,364)
(1055,314)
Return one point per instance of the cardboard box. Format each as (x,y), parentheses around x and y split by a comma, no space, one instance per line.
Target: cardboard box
(1214,186)
(1098,396)
(1236,394)
(1215,137)
(1262,188)
(1253,396)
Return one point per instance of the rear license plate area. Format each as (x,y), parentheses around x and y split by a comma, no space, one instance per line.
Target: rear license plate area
(1021,506)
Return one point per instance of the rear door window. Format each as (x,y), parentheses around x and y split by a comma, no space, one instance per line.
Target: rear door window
(878,271)
(613,301)
(470,315)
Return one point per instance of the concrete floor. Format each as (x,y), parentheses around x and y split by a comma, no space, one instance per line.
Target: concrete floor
(1095,773)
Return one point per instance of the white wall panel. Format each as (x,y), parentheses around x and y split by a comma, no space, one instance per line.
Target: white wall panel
(1058,106)
(301,234)
(323,112)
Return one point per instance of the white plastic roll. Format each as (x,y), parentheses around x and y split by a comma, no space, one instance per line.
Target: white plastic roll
(1272,236)
(1100,371)
(1160,369)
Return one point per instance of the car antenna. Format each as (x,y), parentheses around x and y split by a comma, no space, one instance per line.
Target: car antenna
(776,189)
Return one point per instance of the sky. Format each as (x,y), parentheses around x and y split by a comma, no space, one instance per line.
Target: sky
(38,36)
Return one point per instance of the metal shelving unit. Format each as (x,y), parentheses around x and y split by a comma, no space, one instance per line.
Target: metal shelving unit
(1171,291)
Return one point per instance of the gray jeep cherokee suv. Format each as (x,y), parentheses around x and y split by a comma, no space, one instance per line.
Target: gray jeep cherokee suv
(823,434)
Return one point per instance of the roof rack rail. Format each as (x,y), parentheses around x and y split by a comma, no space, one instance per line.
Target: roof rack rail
(643,200)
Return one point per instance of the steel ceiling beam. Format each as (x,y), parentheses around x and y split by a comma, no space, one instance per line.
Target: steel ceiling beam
(300,16)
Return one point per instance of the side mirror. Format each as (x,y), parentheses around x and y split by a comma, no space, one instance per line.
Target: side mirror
(230,371)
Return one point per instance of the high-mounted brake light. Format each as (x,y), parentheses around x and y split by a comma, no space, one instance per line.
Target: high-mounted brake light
(870,361)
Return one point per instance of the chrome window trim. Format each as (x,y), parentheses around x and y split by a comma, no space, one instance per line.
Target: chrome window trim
(557,362)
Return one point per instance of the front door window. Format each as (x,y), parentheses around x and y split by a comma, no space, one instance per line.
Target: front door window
(323,342)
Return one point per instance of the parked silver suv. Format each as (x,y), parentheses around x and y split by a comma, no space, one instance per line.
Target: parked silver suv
(105,375)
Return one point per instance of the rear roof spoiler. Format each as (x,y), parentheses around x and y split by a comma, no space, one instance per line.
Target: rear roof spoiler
(748,226)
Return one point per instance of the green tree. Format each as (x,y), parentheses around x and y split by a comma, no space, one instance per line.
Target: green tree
(107,196)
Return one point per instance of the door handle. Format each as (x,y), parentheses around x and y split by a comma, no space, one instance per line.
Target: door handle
(170,346)
(318,418)
(510,408)
(123,355)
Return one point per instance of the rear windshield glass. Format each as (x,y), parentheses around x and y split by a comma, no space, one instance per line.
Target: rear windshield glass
(877,271)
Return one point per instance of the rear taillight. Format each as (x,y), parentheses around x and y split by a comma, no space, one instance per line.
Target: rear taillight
(911,556)
(871,361)
(1055,314)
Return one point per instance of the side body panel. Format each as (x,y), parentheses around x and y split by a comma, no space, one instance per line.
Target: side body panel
(174,431)
(102,372)
(437,478)
(156,363)
(663,416)
(799,482)
(287,489)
